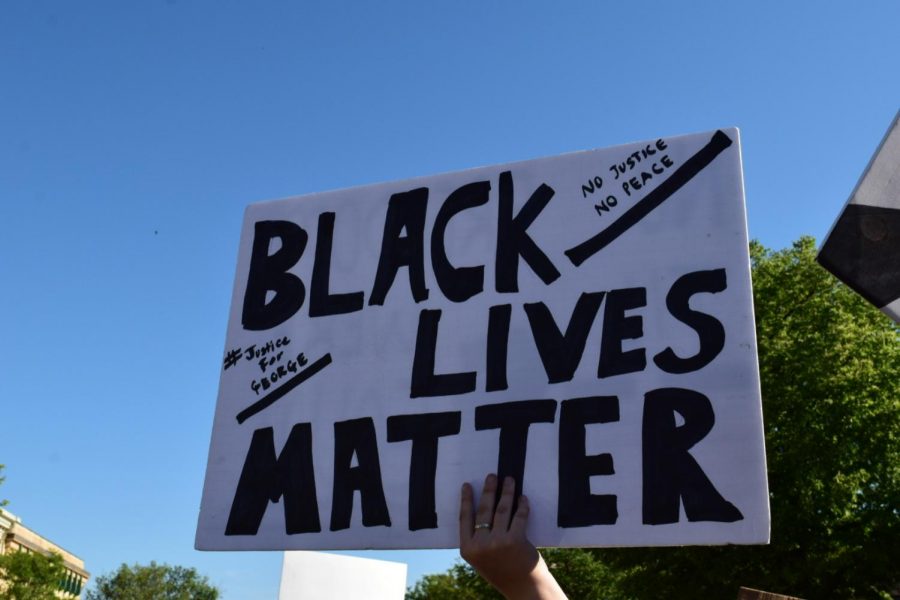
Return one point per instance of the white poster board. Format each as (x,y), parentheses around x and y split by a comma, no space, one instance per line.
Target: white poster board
(323,576)
(583,323)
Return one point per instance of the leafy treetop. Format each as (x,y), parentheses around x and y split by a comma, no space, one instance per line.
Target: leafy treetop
(152,582)
(30,576)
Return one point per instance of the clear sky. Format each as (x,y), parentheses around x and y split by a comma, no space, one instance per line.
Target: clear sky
(132,135)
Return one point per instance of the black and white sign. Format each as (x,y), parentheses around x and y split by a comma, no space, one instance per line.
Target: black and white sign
(863,247)
(583,323)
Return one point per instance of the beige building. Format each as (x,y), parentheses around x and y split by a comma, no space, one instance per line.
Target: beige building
(15,537)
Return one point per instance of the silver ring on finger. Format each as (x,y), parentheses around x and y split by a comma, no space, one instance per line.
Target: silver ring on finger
(482,526)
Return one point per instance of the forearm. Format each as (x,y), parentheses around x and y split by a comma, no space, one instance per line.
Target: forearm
(538,585)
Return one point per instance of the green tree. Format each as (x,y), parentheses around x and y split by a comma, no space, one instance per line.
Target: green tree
(30,576)
(461,582)
(830,372)
(152,582)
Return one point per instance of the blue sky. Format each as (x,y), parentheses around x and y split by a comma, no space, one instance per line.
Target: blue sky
(132,135)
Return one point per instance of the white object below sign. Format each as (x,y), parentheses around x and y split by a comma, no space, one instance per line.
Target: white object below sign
(322,576)
(583,323)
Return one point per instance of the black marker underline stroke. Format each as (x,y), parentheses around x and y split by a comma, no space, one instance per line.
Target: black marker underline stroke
(276,394)
(642,208)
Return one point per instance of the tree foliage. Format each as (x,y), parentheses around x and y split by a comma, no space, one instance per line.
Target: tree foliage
(30,576)
(830,372)
(152,582)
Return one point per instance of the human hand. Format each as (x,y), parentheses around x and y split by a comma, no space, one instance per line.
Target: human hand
(495,544)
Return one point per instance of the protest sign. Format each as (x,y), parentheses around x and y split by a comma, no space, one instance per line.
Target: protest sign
(582,323)
(863,247)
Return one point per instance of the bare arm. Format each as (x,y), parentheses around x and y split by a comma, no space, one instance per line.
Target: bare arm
(494,543)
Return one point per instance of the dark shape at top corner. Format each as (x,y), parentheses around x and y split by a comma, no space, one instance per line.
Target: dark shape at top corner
(863,251)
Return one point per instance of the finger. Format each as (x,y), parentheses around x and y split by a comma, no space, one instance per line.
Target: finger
(485,512)
(520,519)
(466,515)
(504,507)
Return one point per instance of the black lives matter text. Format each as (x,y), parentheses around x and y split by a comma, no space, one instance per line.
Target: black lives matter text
(673,419)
